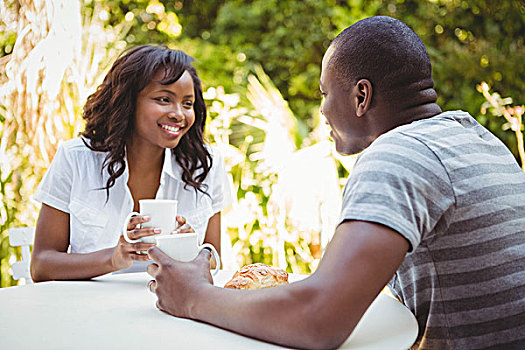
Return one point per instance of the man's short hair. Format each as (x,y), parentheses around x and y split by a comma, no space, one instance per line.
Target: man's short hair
(383,50)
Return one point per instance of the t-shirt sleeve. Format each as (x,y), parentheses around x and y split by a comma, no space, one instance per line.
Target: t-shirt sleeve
(221,185)
(400,183)
(55,187)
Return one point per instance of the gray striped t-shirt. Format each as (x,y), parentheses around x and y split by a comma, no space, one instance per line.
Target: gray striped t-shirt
(456,193)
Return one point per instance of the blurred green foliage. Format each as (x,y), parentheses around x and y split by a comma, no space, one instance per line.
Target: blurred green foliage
(469,41)
(10,198)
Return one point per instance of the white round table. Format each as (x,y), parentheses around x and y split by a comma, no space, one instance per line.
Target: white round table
(118,312)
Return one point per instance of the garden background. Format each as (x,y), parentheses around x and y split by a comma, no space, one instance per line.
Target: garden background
(260,64)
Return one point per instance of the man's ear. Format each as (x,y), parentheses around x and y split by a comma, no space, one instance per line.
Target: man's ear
(363,90)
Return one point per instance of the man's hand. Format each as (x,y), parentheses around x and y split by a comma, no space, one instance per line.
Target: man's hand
(177,284)
(318,312)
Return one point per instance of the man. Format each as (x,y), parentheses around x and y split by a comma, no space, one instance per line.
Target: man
(435,205)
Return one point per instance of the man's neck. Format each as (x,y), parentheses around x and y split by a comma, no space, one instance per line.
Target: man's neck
(420,112)
(392,117)
(417,102)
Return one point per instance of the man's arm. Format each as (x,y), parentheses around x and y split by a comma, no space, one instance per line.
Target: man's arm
(318,312)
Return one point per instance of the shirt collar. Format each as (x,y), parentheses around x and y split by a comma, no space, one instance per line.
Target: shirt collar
(170,166)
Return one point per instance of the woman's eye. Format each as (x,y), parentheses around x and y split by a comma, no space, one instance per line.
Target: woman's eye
(188,104)
(163,99)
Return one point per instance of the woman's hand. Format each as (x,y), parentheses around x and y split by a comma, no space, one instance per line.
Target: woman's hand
(124,253)
(182,226)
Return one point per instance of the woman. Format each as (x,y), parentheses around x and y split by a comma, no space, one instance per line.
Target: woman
(143,139)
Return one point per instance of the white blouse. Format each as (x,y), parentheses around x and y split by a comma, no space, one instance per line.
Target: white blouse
(73,185)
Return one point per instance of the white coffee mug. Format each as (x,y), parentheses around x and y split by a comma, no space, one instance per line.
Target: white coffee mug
(185,247)
(162,213)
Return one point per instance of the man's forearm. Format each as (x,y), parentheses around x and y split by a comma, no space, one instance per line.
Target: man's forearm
(319,312)
(290,315)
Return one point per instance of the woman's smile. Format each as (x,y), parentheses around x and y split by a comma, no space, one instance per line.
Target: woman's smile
(170,129)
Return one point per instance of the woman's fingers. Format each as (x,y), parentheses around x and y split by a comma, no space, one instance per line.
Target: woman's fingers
(182,226)
(139,251)
(186,228)
(142,247)
(181,220)
(137,220)
(135,251)
(143,232)
(140,257)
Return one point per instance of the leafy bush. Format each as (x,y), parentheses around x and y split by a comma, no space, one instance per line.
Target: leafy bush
(278,218)
(501,107)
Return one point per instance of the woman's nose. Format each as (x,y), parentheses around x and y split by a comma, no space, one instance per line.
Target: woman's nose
(176,113)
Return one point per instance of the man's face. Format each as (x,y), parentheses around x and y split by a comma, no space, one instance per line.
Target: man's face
(349,132)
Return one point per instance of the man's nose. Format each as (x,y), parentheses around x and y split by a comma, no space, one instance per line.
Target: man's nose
(321,112)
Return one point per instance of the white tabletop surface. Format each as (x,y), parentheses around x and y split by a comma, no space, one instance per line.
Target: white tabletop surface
(118,312)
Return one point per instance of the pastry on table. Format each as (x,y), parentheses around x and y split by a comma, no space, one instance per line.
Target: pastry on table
(257,276)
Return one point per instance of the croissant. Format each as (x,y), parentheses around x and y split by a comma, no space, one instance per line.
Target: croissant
(257,276)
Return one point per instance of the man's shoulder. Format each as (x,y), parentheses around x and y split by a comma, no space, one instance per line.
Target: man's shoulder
(444,129)
(428,126)
(410,148)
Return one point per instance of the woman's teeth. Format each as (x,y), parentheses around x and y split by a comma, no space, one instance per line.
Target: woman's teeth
(170,128)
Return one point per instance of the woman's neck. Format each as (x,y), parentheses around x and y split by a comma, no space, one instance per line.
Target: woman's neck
(143,157)
(145,168)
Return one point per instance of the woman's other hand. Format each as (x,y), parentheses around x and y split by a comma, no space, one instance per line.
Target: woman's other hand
(182,226)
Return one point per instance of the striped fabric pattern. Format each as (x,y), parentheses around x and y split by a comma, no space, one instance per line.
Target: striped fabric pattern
(456,193)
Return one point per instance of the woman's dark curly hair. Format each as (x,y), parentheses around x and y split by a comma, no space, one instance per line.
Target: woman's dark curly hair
(110,111)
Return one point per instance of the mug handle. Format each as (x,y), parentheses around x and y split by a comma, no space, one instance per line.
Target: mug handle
(125,228)
(215,254)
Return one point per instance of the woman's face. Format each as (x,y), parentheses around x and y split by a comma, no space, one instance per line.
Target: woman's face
(164,113)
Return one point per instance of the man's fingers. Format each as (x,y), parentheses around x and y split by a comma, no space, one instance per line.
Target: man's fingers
(152,269)
(159,307)
(204,255)
(158,255)
(152,286)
